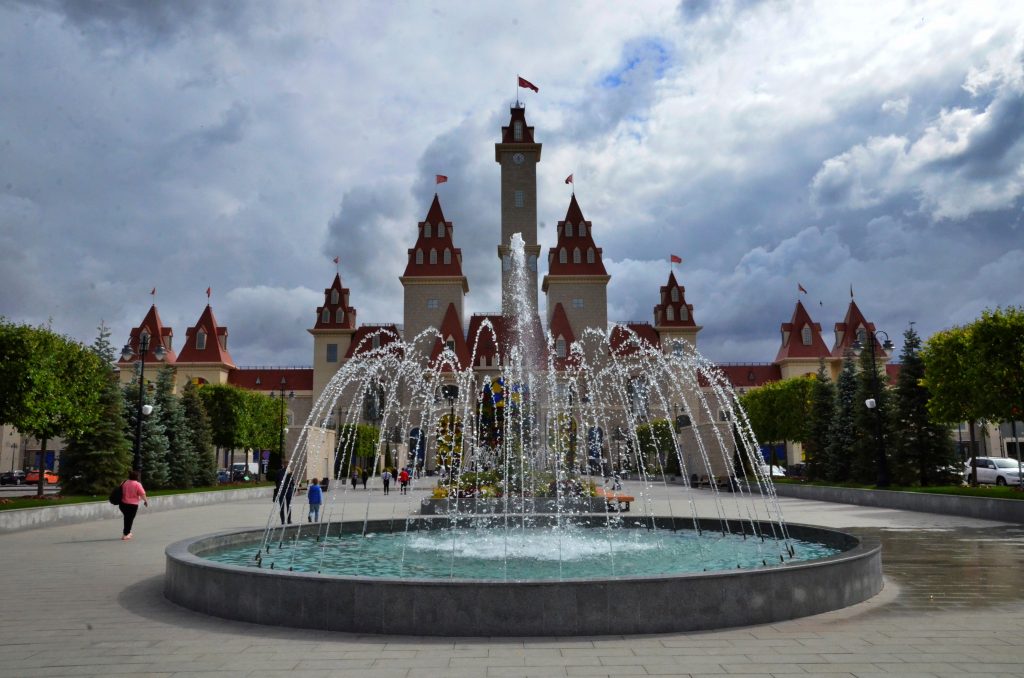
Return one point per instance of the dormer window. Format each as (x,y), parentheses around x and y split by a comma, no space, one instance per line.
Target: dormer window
(334,297)
(560,347)
(419,257)
(684,312)
(675,294)
(200,340)
(326,315)
(339,316)
(224,341)
(805,335)
(568,229)
(433,256)
(440,230)
(426,230)
(577,257)
(375,341)
(590,255)
(449,344)
(583,229)
(563,256)
(862,335)
(447,256)
(670,313)
(517,131)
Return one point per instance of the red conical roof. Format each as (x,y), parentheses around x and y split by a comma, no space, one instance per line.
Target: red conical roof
(508,133)
(158,336)
(451,330)
(340,315)
(681,313)
(582,256)
(622,342)
(215,341)
(430,240)
(847,331)
(793,334)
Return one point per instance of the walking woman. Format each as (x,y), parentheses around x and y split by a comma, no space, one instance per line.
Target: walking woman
(131,492)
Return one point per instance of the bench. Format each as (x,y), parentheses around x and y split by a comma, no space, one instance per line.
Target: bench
(616,500)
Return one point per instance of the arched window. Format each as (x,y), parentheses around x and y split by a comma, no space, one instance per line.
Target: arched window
(862,335)
(426,230)
(533,262)
(684,312)
(590,255)
(517,131)
(440,230)
(326,315)
(675,294)
(433,256)
(447,256)
(339,316)
(583,229)
(375,343)
(200,340)
(805,335)
(670,313)
(563,256)
(334,296)
(577,257)
(568,229)
(419,256)
(560,347)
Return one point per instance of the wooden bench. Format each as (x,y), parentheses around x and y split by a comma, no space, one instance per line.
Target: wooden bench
(616,500)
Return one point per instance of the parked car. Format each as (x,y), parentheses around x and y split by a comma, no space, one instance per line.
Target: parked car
(796,470)
(12,478)
(223,476)
(995,470)
(48,477)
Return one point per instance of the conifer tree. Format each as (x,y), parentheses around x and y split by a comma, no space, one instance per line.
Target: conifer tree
(97,460)
(200,436)
(871,425)
(842,432)
(819,423)
(921,447)
(154,446)
(181,459)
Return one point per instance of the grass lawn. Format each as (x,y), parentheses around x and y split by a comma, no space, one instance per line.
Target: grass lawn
(29,500)
(990,491)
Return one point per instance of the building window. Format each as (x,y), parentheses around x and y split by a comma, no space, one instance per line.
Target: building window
(533,263)
(426,230)
(560,347)
(563,256)
(518,198)
(200,340)
(326,315)
(332,353)
(224,341)
(590,255)
(334,296)
(440,230)
(677,349)
(517,131)
(675,294)
(432,303)
(506,263)
(862,336)
(577,302)
(447,256)
(419,257)
(433,256)
(577,257)
(449,345)
(375,342)
(684,312)
(568,229)
(670,313)
(805,335)
(339,316)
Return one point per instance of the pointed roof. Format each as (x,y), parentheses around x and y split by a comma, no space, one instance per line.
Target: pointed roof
(794,335)
(560,327)
(489,343)
(336,298)
(435,235)
(681,314)
(630,338)
(369,337)
(508,132)
(268,379)
(451,330)
(215,342)
(847,331)
(159,335)
(582,256)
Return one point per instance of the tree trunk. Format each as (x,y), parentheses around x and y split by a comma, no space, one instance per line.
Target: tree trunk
(974,462)
(42,470)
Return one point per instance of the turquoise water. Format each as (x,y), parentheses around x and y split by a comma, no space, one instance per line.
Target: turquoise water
(529,554)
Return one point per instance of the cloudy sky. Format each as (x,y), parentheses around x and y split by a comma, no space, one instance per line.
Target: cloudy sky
(243,145)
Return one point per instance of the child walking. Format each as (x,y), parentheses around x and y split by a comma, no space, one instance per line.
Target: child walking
(316,498)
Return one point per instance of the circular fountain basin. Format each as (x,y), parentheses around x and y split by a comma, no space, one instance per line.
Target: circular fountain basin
(473,605)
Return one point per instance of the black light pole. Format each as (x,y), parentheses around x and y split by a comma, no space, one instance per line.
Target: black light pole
(280,449)
(450,392)
(881,463)
(126,354)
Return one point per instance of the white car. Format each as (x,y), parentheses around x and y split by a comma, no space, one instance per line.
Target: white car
(995,470)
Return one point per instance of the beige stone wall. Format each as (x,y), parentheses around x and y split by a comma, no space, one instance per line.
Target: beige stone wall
(417,317)
(186,372)
(798,367)
(523,220)
(324,371)
(593,290)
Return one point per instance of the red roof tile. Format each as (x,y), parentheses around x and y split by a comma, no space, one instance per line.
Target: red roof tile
(347,318)
(846,331)
(215,339)
(575,246)
(623,343)
(267,379)
(159,335)
(451,330)
(679,318)
(365,336)
(508,133)
(429,241)
(793,345)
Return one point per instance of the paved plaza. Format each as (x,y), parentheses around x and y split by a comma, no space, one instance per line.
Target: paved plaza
(80,602)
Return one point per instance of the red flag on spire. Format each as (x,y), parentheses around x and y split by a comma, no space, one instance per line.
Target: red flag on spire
(440,178)
(207,292)
(851,290)
(674,259)
(523,82)
(568,180)
(153,292)
(335,260)
(801,288)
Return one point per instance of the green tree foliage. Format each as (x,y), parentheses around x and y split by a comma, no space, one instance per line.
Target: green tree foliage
(657,446)
(921,447)
(998,347)
(871,425)
(153,442)
(15,362)
(357,448)
(778,411)
(98,459)
(951,376)
(842,432)
(819,424)
(181,458)
(223,405)
(199,436)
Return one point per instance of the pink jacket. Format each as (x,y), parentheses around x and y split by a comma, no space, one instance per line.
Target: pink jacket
(132,492)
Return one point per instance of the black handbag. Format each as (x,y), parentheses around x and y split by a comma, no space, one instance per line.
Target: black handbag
(116,495)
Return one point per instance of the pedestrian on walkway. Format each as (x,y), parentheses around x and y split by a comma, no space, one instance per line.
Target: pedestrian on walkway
(355,478)
(386,478)
(365,477)
(131,492)
(283,490)
(403,481)
(316,498)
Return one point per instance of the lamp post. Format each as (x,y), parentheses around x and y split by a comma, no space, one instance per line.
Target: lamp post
(881,463)
(450,392)
(126,354)
(280,448)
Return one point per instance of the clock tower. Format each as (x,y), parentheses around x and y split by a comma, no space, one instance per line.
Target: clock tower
(518,155)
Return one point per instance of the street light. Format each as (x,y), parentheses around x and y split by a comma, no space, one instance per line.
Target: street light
(280,449)
(126,354)
(872,403)
(450,392)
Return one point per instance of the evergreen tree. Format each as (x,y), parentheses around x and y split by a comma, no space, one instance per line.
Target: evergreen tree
(920,446)
(97,460)
(842,432)
(181,458)
(819,423)
(154,446)
(870,424)
(200,436)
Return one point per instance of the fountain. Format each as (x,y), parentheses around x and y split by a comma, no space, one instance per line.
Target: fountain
(523,532)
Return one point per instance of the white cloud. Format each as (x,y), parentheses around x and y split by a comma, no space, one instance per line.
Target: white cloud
(896,107)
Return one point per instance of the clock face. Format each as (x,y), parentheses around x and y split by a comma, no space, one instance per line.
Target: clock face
(518,158)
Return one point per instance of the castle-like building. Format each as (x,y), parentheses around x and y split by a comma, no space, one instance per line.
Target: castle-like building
(575,289)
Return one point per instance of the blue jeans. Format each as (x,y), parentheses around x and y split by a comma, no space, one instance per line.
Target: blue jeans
(314,513)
